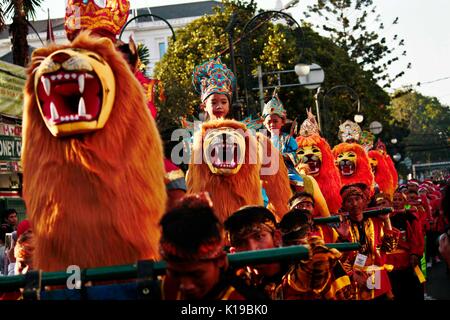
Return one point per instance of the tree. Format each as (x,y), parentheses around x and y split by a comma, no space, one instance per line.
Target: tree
(350,24)
(19,11)
(274,46)
(428,124)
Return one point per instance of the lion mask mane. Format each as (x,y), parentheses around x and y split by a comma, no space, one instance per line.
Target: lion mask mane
(94,197)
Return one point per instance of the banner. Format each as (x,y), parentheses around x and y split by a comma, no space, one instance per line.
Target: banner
(12,82)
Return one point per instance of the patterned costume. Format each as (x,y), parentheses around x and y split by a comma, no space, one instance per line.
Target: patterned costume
(369,232)
(315,151)
(80,124)
(321,277)
(283,141)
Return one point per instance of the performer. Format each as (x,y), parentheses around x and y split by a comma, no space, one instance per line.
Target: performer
(367,266)
(254,228)
(351,158)
(315,151)
(214,82)
(274,116)
(406,277)
(305,201)
(321,277)
(230,161)
(192,244)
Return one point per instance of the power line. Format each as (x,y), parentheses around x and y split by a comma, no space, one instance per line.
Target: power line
(432,81)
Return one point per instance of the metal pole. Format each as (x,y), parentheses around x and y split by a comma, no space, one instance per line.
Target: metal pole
(261,88)
(316,98)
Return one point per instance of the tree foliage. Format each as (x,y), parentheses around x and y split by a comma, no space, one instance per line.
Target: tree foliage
(428,124)
(351,24)
(19,11)
(275,46)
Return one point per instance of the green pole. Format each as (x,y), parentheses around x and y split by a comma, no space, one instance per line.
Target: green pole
(123,272)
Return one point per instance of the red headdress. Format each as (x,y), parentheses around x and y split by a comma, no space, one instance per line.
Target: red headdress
(105,17)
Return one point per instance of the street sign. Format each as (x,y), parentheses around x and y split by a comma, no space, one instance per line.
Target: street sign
(375,127)
(314,78)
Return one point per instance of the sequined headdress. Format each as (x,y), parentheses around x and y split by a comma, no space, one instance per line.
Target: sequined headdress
(211,77)
(309,126)
(349,132)
(274,106)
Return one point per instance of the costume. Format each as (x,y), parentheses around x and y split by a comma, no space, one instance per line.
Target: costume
(315,151)
(351,158)
(96,182)
(404,278)
(367,266)
(381,147)
(283,141)
(231,163)
(382,173)
(229,160)
(321,277)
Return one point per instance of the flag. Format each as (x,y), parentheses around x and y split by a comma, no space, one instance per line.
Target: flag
(50,34)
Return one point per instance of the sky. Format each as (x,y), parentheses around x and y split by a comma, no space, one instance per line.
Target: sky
(423,24)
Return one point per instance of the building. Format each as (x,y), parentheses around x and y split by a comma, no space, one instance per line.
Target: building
(154,33)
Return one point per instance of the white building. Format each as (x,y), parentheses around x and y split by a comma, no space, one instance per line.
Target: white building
(151,31)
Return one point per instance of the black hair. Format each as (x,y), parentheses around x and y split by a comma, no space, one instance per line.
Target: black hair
(247,216)
(188,227)
(294,225)
(8,212)
(301,194)
(293,219)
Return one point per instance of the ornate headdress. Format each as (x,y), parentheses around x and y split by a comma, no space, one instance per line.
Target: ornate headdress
(212,77)
(274,106)
(349,132)
(309,126)
(366,140)
(106,17)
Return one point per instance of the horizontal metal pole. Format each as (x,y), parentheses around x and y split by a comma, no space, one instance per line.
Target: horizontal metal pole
(287,71)
(123,272)
(290,85)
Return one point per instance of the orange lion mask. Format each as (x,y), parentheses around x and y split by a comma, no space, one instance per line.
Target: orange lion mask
(92,159)
(235,179)
(353,164)
(324,169)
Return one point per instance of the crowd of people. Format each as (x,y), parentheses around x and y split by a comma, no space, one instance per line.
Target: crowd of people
(348,181)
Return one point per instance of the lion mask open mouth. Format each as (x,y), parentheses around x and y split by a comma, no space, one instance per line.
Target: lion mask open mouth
(75,91)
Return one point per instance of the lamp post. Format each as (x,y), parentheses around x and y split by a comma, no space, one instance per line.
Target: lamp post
(255,23)
(358,117)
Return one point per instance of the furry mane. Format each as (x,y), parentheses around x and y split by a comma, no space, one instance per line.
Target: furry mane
(328,178)
(94,199)
(383,174)
(363,172)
